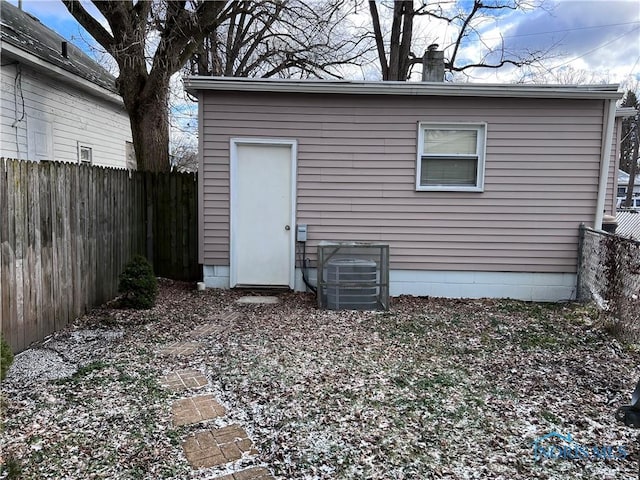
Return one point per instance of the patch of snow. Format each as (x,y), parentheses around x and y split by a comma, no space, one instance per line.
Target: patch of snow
(38,365)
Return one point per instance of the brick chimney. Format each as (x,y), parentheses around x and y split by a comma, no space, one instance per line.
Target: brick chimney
(433,64)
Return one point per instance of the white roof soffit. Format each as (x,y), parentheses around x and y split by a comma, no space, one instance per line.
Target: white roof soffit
(194,84)
(31,60)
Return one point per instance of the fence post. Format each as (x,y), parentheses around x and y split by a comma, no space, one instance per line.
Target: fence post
(148,195)
(580,261)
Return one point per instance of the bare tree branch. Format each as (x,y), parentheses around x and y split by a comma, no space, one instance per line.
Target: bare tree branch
(461,35)
(90,24)
(287,38)
(463,16)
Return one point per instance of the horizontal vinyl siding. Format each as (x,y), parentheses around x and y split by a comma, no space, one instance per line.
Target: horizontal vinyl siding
(356,176)
(13,135)
(74,114)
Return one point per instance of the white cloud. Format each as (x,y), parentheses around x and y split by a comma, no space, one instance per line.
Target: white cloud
(599,36)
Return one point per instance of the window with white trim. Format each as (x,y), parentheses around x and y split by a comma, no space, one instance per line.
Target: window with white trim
(85,154)
(451,157)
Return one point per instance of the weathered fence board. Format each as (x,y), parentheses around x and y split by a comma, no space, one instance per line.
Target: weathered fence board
(67,230)
(175,226)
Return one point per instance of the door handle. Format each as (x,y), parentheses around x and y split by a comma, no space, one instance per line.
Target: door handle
(287,227)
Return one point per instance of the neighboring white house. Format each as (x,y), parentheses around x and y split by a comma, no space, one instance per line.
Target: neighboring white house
(56,103)
(623,182)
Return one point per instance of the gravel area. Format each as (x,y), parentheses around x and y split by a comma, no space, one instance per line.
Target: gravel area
(456,389)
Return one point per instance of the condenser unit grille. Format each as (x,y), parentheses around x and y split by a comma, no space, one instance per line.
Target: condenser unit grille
(353,276)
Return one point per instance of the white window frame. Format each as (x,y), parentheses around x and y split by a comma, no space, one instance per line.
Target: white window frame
(480,128)
(82,146)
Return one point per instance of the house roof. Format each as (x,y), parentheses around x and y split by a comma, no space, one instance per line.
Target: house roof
(623,178)
(25,38)
(194,84)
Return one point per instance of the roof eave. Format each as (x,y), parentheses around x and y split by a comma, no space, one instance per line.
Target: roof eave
(625,112)
(601,92)
(37,63)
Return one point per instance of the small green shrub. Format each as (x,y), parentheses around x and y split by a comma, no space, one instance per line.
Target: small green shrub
(138,285)
(6,357)
(11,468)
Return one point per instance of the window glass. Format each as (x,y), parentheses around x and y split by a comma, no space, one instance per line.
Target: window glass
(456,142)
(84,154)
(439,171)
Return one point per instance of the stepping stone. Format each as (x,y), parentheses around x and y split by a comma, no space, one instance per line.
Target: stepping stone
(207,330)
(227,317)
(257,300)
(184,380)
(216,325)
(179,348)
(197,409)
(217,446)
(255,473)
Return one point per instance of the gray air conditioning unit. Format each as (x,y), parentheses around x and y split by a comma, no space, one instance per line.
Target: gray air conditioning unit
(353,276)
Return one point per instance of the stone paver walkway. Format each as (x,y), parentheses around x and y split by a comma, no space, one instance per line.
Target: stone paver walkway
(188,411)
(179,348)
(227,317)
(207,330)
(186,379)
(216,326)
(217,446)
(255,473)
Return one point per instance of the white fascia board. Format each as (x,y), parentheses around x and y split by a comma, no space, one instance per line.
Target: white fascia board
(59,73)
(625,112)
(600,92)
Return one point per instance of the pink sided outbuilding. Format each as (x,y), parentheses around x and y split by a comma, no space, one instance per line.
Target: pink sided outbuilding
(479,190)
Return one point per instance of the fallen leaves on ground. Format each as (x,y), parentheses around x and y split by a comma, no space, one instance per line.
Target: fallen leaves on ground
(433,388)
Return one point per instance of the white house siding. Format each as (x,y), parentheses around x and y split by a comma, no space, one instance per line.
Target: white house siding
(74,115)
(356,177)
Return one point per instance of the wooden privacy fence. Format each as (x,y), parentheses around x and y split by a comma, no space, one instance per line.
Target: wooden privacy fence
(172,224)
(67,230)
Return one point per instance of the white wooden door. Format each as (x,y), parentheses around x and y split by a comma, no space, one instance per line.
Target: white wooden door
(262,213)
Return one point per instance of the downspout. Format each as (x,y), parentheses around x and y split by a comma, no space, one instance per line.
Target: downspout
(200,177)
(605,161)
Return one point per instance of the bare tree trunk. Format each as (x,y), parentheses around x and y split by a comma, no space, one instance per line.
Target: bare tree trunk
(394,44)
(405,40)
(150,131)
(377,31)
(633,167)
(180,28)
(400,41)
(148,113)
